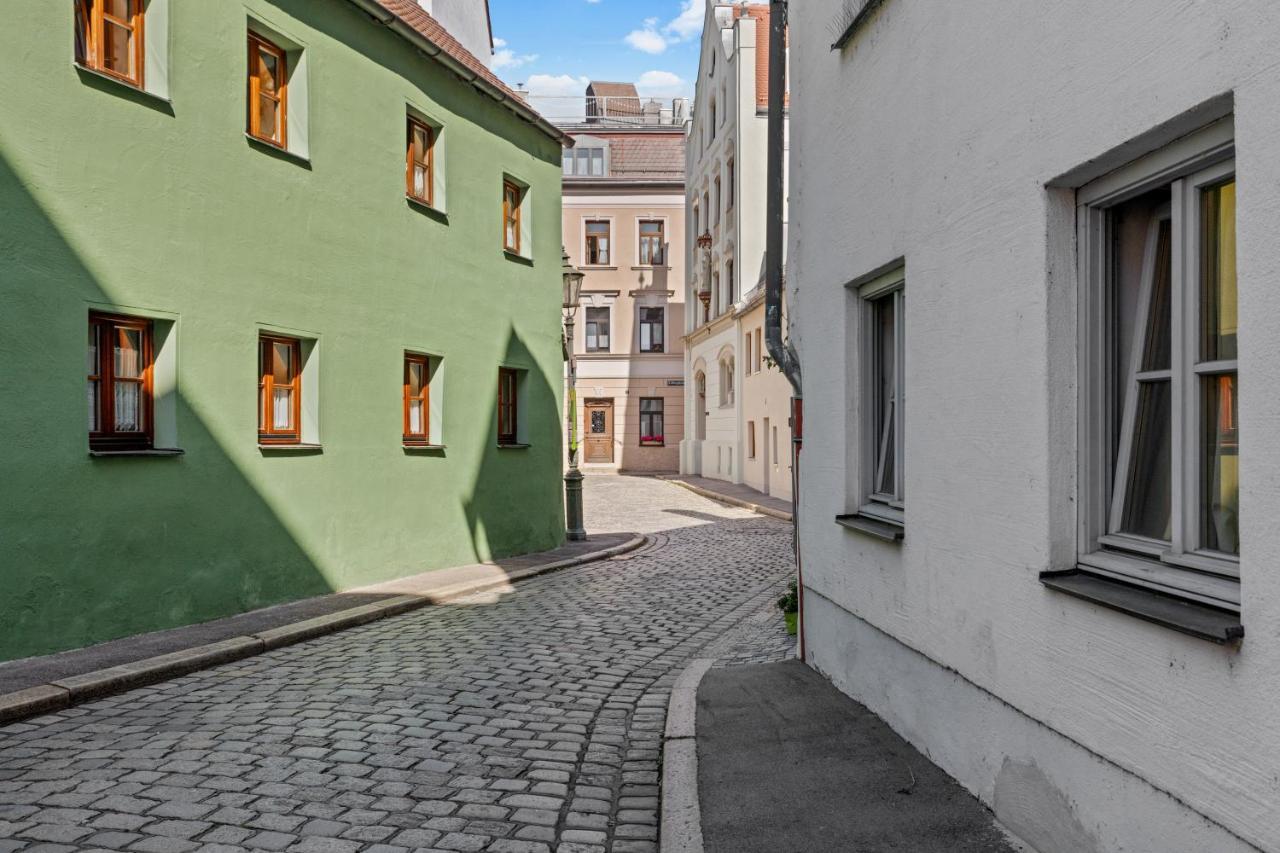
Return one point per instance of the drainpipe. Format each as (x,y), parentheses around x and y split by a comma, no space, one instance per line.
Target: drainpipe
(779,350)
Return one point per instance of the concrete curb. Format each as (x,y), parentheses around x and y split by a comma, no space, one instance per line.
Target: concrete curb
(732,501)
(66,692)
(681,830)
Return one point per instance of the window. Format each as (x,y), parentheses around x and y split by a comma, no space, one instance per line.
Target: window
(751,439)
(728,274)
(652,328)
(597,330)
(716,196)
(1159,421)
(715,293)
(749,366)
(653,241)
(109,38)
(726,381)
(652,433)
(420,171)
(706,207)
(417,399)
(883,393)
(511,196)
(508,409)
(759,351)
(120,363)
(580,162)
(713,119)
(268,91)
(728,200)
(279,390)
(598,242)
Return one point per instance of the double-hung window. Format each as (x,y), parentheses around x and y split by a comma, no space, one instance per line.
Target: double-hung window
(120,378)
(651,329)
(417,400)
(511,217)
(1160,459)
(279,390)
(508,410)
(883,302)
(597,329)
(109,37)
(652,242)
(598,242)
(268,91)
(420,168)
(651,427)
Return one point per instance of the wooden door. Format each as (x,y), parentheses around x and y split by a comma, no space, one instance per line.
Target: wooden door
(598,430)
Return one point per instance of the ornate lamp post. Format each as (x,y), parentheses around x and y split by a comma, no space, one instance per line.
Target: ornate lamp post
(572,277)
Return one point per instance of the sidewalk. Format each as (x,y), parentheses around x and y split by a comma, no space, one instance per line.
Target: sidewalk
(735,494)
(42,684)
(788,764)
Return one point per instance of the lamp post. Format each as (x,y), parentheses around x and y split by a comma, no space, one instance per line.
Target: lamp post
(572,278)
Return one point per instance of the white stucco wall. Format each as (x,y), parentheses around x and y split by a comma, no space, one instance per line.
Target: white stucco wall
(467,21)
(932,137)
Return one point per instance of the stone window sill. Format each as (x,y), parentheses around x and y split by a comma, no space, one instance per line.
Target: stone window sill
(513,446)
(291,448)
(423,448)
(1189,617)
(869,525)
(518,258)
(154,453)
(275,150)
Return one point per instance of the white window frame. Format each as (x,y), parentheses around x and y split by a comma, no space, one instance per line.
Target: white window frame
(1179,567)
(886,506)
(613,242)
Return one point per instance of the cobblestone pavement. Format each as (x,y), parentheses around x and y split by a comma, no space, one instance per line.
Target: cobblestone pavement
(526,721)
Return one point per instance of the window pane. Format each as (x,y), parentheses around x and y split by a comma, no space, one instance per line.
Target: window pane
(1155,355)
(93,349)
(268,116)
(1148,493)
(419,181)
(128,407)
(268,71)
(415,417)
(416,375)
(117,52)
(282,408)
(281,363)
(93,405)
(568,162)
(883,407)
(596,227)
(1220,465)
(117,8)
(597,162)
(1218,293)
(597,422)
(128,353)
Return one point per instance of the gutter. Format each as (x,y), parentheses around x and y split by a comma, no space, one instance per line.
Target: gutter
(391,21)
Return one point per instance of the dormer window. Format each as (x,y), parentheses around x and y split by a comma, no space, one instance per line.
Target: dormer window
(585,161)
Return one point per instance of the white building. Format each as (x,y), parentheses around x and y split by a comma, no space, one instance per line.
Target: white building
(737,404)
(467,21)
(1028,542)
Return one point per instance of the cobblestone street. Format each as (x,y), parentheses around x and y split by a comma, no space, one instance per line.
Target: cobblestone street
(525,721)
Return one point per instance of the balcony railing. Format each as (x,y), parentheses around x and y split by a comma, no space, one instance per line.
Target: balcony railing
(610,111)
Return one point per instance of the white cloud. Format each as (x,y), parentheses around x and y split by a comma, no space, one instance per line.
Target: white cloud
(689,22)
(647,40)
(505,57)
(556,85)
(661,84)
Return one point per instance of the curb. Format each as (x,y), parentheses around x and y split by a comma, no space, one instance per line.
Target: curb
(732,501)
(681,830)
(66,692)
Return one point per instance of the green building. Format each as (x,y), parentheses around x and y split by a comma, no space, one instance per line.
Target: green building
(302,260)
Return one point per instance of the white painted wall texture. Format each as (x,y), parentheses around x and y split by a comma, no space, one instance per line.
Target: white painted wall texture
(931,137)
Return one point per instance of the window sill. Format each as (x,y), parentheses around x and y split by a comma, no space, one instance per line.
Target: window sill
(423,448)
(869,525)
(512,446)
(653,444)
(291,448)
(426,207)
(1198,620)
(124,87)
(518,258)
(277,151)
(652,267)
(157,453)
(599,267)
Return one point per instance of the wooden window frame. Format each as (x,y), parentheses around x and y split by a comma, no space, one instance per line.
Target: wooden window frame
(510,435)
(751,439)
(267,434)
(656,258)
(877,450)
(662,416)
(661,326)
(257,43)
(414,158)
(423,438)
(91,19)
(511,204)
(602,259)
(1179,566)
(106,437)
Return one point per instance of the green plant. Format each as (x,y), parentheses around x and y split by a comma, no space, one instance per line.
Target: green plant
(790,603)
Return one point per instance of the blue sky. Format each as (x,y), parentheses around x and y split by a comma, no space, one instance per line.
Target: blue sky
(555,46)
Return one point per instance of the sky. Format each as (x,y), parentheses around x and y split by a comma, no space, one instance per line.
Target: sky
(554,47)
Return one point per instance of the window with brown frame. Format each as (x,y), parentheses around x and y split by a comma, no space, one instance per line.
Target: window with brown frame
(417,399)
(728,194)
(279,390)
(652,329)
(420,168)
(652,431)
(109,38)
(268,91)
(120,367)
(653,240)
(598,242)
(511,217)
(508,411)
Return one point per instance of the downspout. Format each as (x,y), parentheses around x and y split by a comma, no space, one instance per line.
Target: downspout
(783,354)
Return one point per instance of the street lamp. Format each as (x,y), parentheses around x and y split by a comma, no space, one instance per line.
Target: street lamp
(572,278)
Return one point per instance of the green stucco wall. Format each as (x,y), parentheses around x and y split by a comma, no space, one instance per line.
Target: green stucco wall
(111,198)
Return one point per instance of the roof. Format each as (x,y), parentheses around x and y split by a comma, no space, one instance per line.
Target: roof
(414,23)
(641,154)
(620,99)
(605,89)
